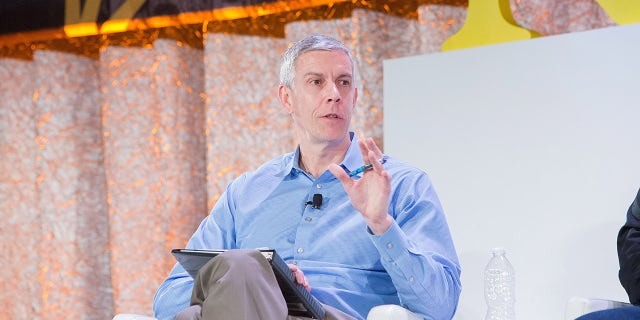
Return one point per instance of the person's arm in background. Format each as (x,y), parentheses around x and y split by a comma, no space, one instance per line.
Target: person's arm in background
(629,252)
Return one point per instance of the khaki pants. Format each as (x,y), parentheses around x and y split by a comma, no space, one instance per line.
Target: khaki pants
(239,284)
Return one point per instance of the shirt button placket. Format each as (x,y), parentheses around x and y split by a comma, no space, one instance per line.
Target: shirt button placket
(302,238)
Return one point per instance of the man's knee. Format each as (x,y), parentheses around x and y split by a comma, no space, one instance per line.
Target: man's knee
(244,263)
(190,313)
(241,259)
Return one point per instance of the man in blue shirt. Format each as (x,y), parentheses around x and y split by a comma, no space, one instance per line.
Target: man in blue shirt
(378,237)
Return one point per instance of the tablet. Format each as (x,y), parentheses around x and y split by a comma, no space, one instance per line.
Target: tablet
(299,301)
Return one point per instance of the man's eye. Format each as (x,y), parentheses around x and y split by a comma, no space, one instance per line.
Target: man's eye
(316,82)
(345,83)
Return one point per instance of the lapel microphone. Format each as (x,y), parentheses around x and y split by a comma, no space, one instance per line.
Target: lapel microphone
(316,203)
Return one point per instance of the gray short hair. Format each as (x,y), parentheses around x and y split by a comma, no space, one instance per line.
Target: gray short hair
(310,43)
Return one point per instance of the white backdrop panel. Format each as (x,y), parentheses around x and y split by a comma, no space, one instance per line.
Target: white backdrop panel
(532,145)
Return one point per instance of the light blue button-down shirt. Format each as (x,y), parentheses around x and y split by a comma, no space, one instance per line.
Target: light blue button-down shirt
(413,264)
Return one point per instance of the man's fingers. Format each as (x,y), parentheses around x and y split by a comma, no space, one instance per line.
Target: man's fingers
(377,166)
(364,149)
(373,147)
(340,174)
(300,278)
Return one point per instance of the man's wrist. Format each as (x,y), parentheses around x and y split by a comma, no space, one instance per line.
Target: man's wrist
(381,226)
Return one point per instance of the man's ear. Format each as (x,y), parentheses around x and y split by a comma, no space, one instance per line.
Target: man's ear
(284,94)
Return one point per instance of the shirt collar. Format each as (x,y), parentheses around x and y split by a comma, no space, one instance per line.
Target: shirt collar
(352,160)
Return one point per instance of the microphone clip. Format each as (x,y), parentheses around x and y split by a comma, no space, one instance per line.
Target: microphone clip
(316,203)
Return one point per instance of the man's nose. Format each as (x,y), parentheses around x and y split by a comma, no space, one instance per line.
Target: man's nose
(333,93)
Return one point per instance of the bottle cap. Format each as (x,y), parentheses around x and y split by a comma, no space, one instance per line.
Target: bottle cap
(498,250)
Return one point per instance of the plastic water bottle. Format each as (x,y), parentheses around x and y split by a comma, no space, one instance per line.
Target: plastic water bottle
(499,287)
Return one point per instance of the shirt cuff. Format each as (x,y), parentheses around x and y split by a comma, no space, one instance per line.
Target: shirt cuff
(392,244)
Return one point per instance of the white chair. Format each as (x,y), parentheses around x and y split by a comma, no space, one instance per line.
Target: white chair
(577,306)
(382,312)
(391,312)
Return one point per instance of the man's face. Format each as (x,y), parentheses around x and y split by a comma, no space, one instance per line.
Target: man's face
(323,96)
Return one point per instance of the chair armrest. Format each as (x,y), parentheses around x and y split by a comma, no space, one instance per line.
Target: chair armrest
(391,312)
(130,316)
(577,306)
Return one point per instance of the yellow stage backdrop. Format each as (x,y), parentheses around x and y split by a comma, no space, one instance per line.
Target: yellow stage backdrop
(118,133)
